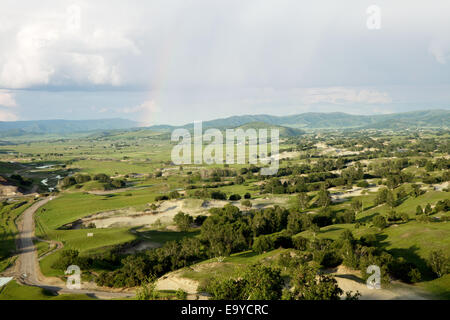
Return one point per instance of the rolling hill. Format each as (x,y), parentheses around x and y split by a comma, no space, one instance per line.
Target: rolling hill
(20,128)
(429,118)
(284,131)
(288,125)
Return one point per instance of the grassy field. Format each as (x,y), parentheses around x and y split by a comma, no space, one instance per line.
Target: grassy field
(414,241)
(72,206)
(230,266)
(142,159)
(15,291)
(101,241)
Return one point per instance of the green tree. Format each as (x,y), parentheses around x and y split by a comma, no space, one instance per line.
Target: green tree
(324,197)
(379,222)
(303,200)
(404,217)
(390,199)
(262,283)
(258,282)
(246,203)
(181,294)
(357,206)
(225,289)
(428,210)
(381,196)
(416,190)
(239,180)
(439,262)
(183,221)
(419,210)
(263,243)
(147,291)
(308,284)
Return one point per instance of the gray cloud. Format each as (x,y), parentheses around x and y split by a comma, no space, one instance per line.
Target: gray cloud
(253,54)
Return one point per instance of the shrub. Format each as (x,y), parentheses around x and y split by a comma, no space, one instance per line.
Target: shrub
(300,243)
(439,262)
(234,197)
(82,178)
(379,222)
(246,203)
(200,219)
(118,183)
(102,177)
(174,195)
(218,195)
(363,184)
(183,221)
(181,294)
(263,243)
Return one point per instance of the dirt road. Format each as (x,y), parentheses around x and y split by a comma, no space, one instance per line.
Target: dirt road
(27,270)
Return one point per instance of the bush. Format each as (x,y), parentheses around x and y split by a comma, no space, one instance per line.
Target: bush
(439,263)
(67,258)
(246,203)
(101,177)
(247,196)
(218,195)
(235,197)
(379,222)
(181,294)
(118,183)
(174,195)
(362,184)
(414,275)
(200,219)
(257,283)
(239,180)
(263,243)
(300,243)
(67,182)
(82,178)
(183,221)
(369,239)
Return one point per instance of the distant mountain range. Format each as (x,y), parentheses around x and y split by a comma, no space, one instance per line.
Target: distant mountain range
(289,124)
(429,118)
(21,128)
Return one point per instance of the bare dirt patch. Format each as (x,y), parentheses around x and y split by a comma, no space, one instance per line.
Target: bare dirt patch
(350,280)
(174,281)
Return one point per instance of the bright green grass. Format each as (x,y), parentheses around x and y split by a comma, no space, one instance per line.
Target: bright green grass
(414,241)
(72,206)
(231,266)
(112,167)
(333,231)
(42,247)
(102,240)
(165,236)
(409,205)
(438,287)
(15,291)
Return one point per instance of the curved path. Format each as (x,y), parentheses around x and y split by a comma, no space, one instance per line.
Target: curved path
(27,270)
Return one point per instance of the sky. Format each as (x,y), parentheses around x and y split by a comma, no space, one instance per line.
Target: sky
(177,61)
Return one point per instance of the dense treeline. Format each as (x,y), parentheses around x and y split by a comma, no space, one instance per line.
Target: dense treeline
(227,231)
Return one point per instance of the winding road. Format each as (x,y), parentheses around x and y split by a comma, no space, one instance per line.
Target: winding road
(27,271)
